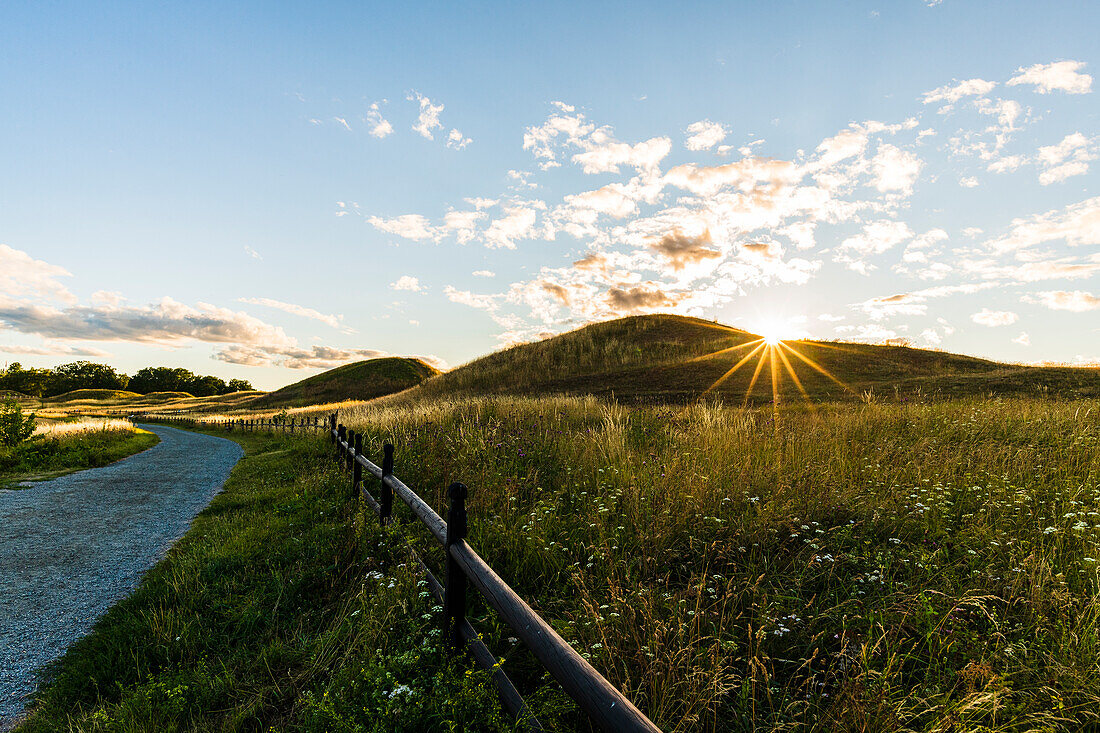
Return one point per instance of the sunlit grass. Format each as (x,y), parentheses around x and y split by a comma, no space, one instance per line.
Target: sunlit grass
(83,425)
(882,566)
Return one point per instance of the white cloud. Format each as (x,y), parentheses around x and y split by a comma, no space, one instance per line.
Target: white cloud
(252,253)
(952,93)
(517,223)
(877,237)
(343,123)
(463,224)
(484,273)
(704,134)
(990,318)
(1077,301)
(895,169)
(331,320)
(1023,339)
(1077,224)
(55,349)
(428,119)
(605,155)
(456,140)
(407,282)
(611,200)
(293,357)
(968,182)
(409,226)
(21,274)
(1062,76)
(167,323)
(378,127)
(1068,158)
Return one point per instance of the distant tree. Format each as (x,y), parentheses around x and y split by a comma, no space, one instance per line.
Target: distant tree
(239,385)
(161,379)
(31,382)
(14,427)
(206,386)
(86,375)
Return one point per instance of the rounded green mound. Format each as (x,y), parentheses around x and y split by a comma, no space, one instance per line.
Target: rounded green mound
(92,394)
(363,380)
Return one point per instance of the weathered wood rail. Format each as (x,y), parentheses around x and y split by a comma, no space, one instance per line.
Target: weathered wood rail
(604,704)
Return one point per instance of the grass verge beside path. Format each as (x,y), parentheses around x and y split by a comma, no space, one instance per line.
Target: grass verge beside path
(43,458)
(282,608)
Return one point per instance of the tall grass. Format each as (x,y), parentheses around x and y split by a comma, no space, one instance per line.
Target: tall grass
(83,425)
(854,567)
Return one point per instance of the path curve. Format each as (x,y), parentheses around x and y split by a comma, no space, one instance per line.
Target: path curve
(71,547)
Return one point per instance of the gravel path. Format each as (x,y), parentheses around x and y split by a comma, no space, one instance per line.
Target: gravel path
(71,547)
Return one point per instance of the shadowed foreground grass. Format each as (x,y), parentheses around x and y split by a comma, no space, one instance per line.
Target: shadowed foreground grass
(281,609)
(880,567)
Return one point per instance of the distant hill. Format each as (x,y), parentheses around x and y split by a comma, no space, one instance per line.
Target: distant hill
(91,394)
(665,358)
(362,380)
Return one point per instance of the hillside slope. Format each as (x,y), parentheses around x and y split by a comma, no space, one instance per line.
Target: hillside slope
(665,358)
(362,380)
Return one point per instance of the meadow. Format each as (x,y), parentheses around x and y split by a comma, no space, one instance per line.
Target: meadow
(64,444)
(877,566)
(883,566)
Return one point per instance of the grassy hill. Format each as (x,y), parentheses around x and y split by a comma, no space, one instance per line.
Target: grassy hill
(665,358)
(78,395)
(363,380)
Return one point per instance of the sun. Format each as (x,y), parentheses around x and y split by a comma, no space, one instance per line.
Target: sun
(773,349)
(772,338)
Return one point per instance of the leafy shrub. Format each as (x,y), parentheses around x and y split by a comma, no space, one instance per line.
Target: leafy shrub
(14,427)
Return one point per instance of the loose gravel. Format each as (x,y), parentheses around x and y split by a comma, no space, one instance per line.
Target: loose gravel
(71,547)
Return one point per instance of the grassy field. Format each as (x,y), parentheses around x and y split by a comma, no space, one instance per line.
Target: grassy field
(921,566)
(281,609)
(913,548)
(60,447)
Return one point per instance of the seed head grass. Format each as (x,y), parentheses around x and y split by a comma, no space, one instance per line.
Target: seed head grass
(858,567)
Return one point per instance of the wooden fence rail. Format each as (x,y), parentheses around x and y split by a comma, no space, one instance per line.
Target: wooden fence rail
(604,704)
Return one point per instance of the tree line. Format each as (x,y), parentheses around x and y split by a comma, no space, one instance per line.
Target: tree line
(88,375)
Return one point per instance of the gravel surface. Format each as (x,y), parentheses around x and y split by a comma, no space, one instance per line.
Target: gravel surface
(71,547)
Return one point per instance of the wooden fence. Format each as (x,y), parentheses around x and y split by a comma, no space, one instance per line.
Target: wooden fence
(289,425)
(599,699)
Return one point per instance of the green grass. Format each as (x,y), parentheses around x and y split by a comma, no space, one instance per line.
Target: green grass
(45,457)
(674,359)
(282,608)
(91,394)
(363,380)
(875,567)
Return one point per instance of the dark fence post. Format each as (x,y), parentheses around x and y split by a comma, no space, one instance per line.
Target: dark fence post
(386,496)
(341,431)
(454,594)
(292,424)
(356,466)
(349,457)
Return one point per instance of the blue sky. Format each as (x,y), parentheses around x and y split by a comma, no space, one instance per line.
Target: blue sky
(263,192)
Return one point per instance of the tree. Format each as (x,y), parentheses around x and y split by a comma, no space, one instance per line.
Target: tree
(87,375)
(31,382)
(239,385)
(161,379)
(14,428)
(206,386)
